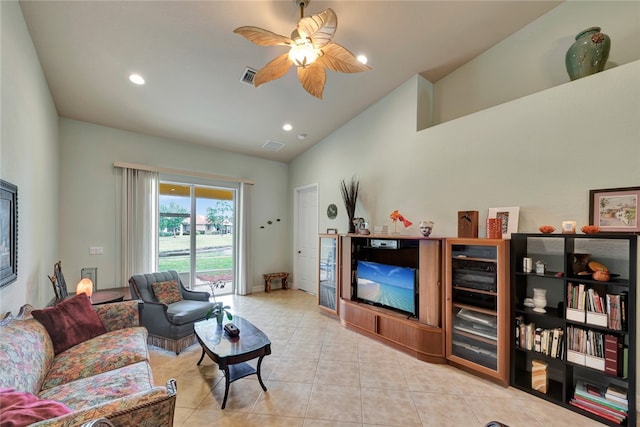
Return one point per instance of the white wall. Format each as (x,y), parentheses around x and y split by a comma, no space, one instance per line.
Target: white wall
(542,152)
(90,195)
(28,159)
(532,59)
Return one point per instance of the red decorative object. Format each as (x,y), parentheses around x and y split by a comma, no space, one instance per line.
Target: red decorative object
(395,216)
(494,228)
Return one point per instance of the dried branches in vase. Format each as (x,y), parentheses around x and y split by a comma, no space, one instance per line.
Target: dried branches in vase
(350,196)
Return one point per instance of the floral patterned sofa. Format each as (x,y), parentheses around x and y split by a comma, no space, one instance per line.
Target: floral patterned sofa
(107,376)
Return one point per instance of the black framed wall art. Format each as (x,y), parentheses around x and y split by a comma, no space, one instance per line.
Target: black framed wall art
(8,233)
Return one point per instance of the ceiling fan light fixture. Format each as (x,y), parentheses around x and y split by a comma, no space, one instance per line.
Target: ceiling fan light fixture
(303,53)
(311,50)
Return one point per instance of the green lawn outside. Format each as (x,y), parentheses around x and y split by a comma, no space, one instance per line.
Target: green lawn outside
(204,261)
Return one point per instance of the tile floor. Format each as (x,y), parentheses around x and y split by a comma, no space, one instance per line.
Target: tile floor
(321,374)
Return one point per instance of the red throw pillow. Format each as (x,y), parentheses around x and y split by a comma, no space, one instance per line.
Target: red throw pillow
(19,408)
(167,292)
(70,322)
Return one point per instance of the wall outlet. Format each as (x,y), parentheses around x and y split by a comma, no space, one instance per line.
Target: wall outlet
(90,273)
(96,250)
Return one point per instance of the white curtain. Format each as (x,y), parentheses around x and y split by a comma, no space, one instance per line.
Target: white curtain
(139,222)
(244,271)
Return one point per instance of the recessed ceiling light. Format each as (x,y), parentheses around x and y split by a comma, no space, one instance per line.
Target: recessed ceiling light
(362,59)
(137,79)
(287,127)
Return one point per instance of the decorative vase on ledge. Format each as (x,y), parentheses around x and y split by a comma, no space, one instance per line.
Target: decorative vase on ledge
(349,192)
(539,300)
(588,54)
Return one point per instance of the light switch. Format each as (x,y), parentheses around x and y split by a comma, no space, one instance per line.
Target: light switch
(96,250)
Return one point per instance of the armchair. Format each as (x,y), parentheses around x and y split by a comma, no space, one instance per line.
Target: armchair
(170,326)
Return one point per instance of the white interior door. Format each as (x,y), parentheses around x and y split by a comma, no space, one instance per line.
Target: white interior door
(306,244)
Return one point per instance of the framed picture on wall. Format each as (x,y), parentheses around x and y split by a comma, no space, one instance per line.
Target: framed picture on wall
(8,233)
(615,210)
(509,217)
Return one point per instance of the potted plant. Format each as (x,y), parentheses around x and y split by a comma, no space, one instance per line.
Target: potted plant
(349,192)
(218,310)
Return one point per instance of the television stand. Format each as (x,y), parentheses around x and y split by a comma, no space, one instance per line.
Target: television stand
(421,337)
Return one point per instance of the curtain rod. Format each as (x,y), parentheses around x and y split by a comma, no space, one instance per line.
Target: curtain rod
(181,172)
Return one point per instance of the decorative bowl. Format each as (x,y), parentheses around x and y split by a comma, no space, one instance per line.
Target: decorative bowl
(547,229)
(590,229)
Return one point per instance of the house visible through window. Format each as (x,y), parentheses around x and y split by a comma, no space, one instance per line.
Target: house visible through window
(196,235)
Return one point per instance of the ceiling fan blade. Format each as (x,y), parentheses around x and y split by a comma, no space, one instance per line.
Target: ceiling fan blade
(313,78)
(338,58)
(262,37)
(275,69)
(319,28)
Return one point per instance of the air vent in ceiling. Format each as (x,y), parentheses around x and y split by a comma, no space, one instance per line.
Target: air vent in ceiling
(248,75)
(272,145)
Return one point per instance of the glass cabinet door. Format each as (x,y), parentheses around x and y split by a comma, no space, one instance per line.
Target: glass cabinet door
(328,272)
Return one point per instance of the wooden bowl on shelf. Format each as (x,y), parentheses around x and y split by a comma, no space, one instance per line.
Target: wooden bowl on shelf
(547,229)
(590,229)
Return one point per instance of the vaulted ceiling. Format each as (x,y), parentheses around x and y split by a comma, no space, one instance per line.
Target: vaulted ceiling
(193,62)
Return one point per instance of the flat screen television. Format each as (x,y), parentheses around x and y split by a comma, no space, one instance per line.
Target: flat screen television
(388,286)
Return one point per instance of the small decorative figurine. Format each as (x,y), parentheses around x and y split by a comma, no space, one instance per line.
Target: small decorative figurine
(426,227)
(395,216)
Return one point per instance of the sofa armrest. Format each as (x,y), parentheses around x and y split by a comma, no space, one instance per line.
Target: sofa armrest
(154,407)
(119,315)
(195,295)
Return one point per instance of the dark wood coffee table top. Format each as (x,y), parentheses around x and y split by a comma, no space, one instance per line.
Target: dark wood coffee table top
(223,348)
(231,353)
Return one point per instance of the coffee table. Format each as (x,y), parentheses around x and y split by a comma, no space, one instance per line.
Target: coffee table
(232,353)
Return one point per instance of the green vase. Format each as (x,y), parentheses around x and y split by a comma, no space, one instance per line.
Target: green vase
(588,54)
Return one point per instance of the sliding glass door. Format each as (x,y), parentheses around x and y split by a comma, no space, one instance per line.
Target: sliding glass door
(196,235)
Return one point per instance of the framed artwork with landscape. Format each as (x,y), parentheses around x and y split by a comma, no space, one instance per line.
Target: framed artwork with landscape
(615,210)
(8,233)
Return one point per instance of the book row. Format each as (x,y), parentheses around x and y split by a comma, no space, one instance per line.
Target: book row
(611,405)
(594,306)
(546,341)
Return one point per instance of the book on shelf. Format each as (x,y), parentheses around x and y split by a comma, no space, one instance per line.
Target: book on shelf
(555,344)
(613,355)
(614,316)
(581,390)
(600,406)
(623,310)
(576,296)
(614,390)
(606,415)
(537,340)
(519,321)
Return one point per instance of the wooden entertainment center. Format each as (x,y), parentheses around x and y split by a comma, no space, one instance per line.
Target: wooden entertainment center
(422,337)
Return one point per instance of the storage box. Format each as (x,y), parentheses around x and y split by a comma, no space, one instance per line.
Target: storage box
(598,319)
(594,362)
(539,377)
(576,357)
(575,315)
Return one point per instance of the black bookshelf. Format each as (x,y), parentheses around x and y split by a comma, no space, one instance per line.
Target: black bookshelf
(566,369)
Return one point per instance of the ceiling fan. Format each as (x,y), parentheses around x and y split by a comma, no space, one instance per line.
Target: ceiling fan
(311,50)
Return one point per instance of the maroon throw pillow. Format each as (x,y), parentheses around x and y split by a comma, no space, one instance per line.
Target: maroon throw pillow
(70,322)
(19,408)
(167,292)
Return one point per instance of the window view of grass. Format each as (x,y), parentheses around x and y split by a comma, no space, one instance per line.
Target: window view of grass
(214,252)
(210,225)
